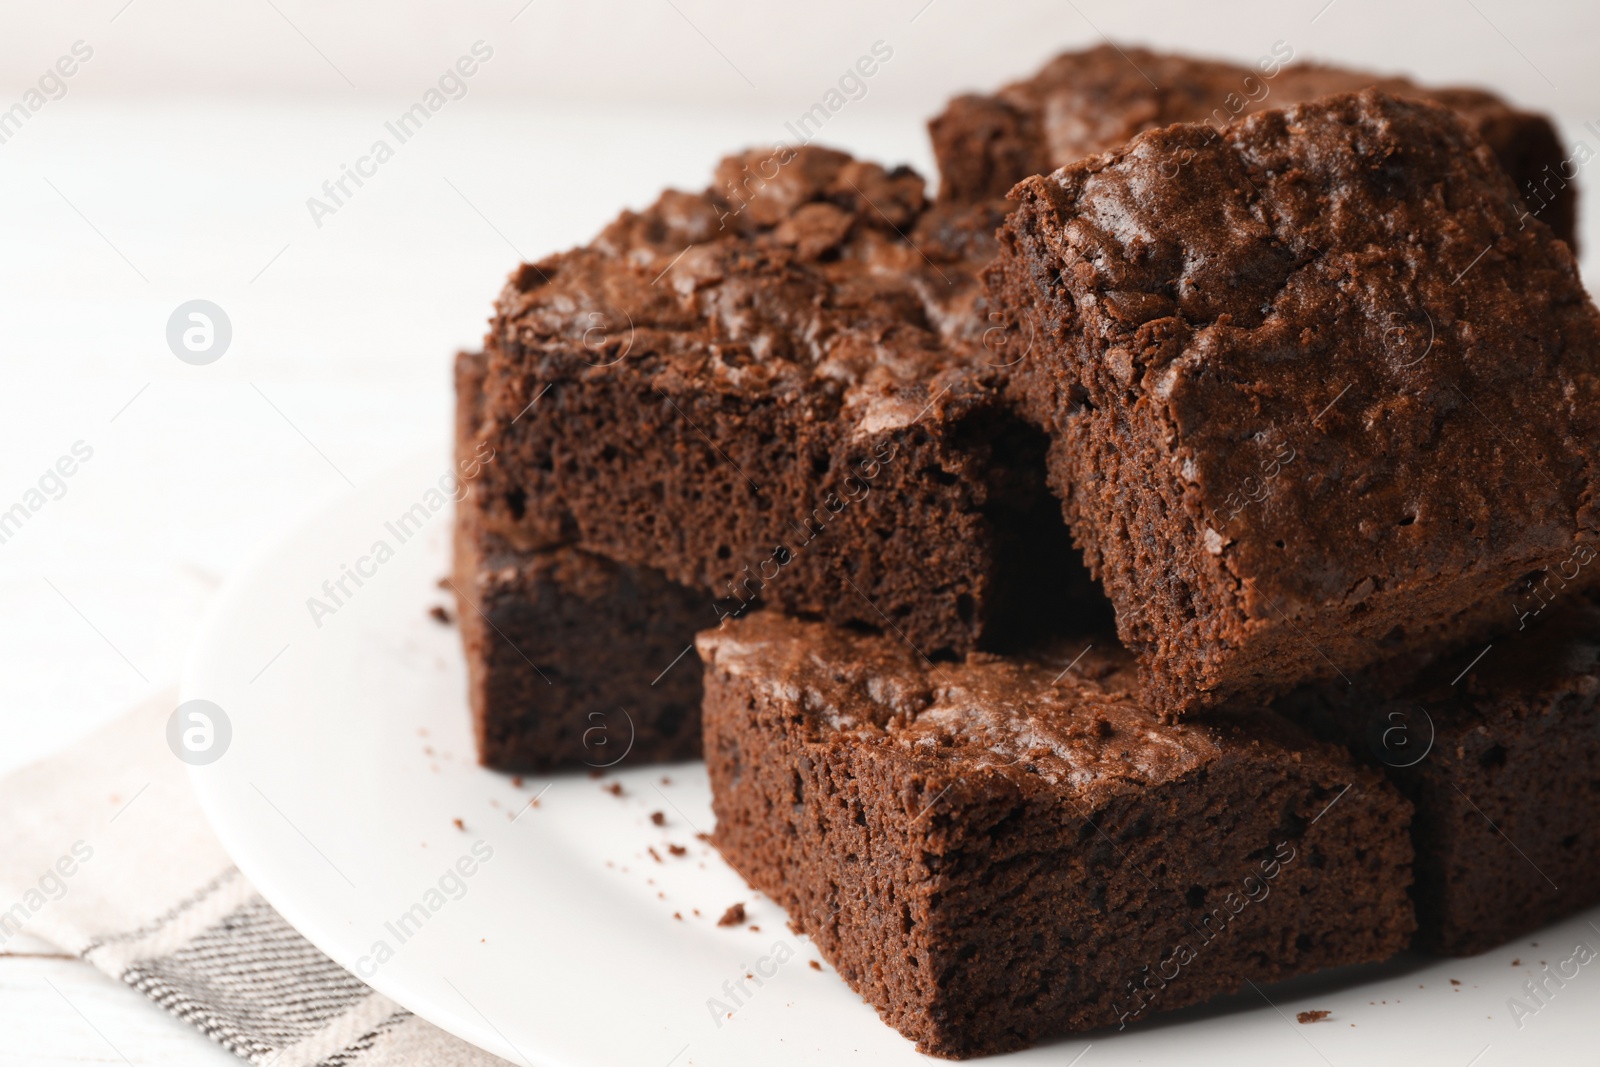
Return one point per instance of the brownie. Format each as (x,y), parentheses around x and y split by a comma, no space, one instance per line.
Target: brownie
(572,659)
(1083,103)
(1502,762)
(1317,396)
(778,392)
(1005,848)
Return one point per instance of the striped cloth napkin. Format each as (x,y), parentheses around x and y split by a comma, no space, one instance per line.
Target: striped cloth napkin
(109,857)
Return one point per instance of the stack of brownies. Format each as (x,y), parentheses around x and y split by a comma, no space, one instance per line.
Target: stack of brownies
(1158,563)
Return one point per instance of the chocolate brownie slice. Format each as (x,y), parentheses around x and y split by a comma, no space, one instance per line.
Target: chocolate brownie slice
(1082,103)
(1503,764)
(777,391)
(994,851)
(1318,396)
(568,652)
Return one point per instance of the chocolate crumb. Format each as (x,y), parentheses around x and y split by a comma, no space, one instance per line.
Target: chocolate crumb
(1312,1016)
(459,824)
(516,781)
(440,615)
(597,773)
(665,780)
(615,789)
(678,915)
(815,966)
(1516,963)
(677,850)
(1455,981)
(733,916)
(653,853)
(659,818)
(754,928)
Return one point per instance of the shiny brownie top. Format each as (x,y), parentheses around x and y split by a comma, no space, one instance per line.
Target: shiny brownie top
(1081,103)
(1366,367)
(797,270)
(1068,715)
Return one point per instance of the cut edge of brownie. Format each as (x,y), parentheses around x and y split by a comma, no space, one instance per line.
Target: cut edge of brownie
(572,659)
(1160,628)
(813,474)
(1501,760)
(1005,908)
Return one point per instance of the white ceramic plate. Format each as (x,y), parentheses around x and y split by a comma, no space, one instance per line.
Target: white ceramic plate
(351,760)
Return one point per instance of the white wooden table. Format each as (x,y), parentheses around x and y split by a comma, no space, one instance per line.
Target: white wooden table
(57,1010)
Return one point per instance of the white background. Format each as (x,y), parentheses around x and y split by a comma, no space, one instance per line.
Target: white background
(178,164)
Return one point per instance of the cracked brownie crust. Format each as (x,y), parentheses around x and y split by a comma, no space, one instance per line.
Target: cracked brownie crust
(777,392)
(994,851)
(1317,395)
(1083,103)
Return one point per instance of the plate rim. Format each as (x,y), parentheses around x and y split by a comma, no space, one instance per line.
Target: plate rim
(259,871)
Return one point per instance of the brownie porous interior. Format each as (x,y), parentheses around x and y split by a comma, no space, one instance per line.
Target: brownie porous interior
(568,657)
(572,659)
(1501,758)
(777,392)
(994,851)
